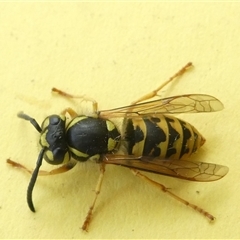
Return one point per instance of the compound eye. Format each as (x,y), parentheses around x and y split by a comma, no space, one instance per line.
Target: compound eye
(53,120)
(57,156)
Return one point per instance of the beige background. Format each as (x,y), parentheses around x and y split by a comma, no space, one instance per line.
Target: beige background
(115,53)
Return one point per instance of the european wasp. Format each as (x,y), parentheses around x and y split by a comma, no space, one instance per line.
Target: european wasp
(153,142)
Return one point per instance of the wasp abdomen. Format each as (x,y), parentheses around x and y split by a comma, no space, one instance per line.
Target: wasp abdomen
(89,136)
(165,137)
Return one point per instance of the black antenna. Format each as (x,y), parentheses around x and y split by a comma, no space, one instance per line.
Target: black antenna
(33,180)
(30,119)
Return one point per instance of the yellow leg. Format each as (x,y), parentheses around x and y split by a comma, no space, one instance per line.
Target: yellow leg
(64,168)
(82,97)
(165,190)
(154,92)
(97,191)
(70,111)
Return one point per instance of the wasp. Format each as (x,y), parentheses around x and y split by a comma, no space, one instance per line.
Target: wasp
(152,139)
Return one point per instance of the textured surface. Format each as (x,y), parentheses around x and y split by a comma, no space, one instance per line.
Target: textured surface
(115,53)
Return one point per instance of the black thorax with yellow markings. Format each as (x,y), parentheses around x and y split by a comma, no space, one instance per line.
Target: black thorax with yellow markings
(84,137)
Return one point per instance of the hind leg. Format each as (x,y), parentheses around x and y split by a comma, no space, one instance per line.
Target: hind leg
(165,190)
(155,91)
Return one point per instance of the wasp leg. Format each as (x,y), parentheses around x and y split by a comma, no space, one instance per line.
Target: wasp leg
(165,190)
(64,168)
(154,92)
(82,97)
(97,191)
(70,111)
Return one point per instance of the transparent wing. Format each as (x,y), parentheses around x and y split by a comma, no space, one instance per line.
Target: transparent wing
(189,103)
(193,171)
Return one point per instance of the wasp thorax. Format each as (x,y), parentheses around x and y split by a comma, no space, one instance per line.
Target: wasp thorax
(53,140)
(89,136)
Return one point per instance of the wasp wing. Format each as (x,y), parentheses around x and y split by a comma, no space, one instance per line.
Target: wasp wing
(189,170)
(189,103)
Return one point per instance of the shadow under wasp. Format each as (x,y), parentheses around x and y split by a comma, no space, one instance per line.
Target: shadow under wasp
(153,142)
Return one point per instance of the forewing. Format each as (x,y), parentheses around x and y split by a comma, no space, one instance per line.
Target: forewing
(189,170)
(189,103)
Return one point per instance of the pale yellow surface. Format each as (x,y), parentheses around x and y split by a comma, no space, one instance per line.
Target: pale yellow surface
(115,53)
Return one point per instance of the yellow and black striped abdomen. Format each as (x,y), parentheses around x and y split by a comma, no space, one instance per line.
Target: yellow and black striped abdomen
(166,137)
